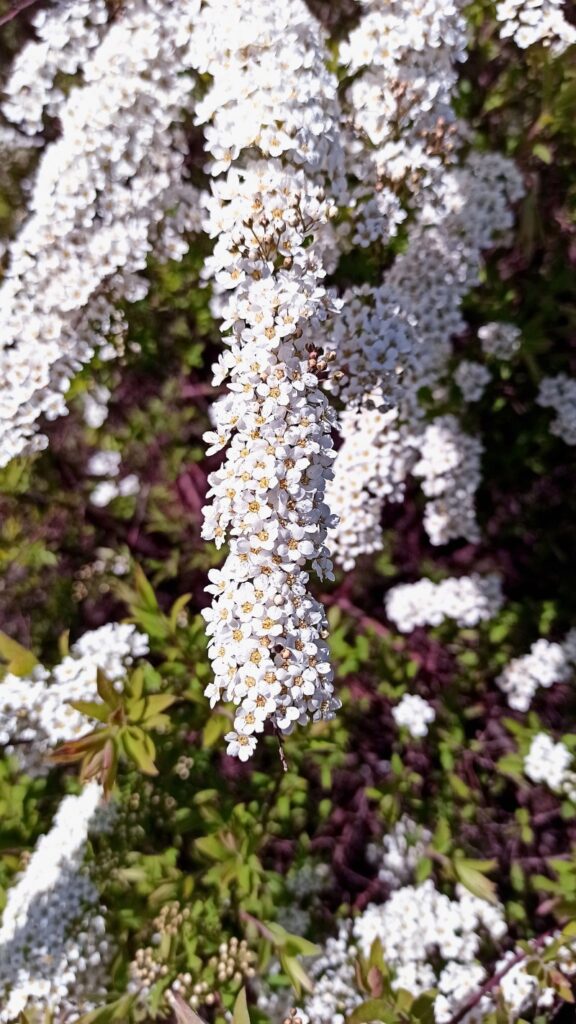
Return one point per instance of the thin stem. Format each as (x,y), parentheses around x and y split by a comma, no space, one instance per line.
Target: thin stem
(16,10)
(495,980)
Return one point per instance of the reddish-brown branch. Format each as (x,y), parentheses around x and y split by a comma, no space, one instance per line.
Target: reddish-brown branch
(345,605)
(16,10)
(495,980)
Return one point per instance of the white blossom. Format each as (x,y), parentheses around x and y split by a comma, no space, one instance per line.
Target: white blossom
(54,952)
(536,21)
(550,762)
(109,190)
(472,379)
(467,600)
(546,663)
(500,340)
(559,393)
(267,633)
(414,714)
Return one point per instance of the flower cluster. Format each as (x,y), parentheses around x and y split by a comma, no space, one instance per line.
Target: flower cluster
(450,470)
(35,711)
(267,633)
(107,464)
(414,714)
(500,340)
(106,192)
(53,946)
(536,21)
(399,852)
(403,56)
(66,36)
(467,600)
(550,763)
(559,392)
(468,209)
(545,664)
(472,379)
(429,941)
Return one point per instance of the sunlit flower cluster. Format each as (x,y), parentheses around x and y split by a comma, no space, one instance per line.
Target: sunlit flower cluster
(414,714)
(550,763)
(546,663)
(468,209)
(536,21)
(267,633)
(466,600)
(110,189)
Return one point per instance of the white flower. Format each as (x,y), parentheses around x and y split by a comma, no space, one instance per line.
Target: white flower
(560,393)
(545,664)
(414,714)
(472,379)
(548,762)
(467,599)
(53,948)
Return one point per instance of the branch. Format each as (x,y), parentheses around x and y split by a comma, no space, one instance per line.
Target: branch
(16,10)
(495,980)
(345,605)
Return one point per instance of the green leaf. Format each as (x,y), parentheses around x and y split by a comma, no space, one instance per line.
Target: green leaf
(105,690)
(176,609)
(372,1009)
(136,683)
(543,152)
(299,978)
(470,874)
(240,1013)
(19,661)
(145,590)
(214,729)
(157,703)
(442,838)
(212,846)
(423,869)
(64,644)
(91,708)
(106,1014)
(140,749)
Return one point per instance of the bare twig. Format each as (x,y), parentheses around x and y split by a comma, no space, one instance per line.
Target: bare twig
(16,10)
(345,605)
(281,753)
(495,980)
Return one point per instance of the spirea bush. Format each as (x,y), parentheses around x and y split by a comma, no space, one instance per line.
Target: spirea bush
(287,505)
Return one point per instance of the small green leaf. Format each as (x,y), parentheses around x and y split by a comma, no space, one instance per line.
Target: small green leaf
(92,709)
(299,978)
(470,874)
(372,1009)
(177,608)
(214,729)
(136,683)
(145,590)
(140,749)
(19,661)
(105,690)
(106,1014)
(157,703)
(240,1014)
